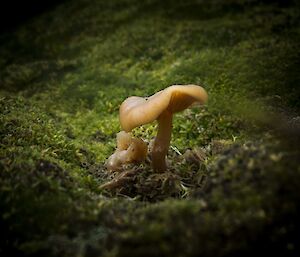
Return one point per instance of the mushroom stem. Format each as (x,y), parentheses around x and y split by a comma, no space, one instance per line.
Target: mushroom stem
(162,142)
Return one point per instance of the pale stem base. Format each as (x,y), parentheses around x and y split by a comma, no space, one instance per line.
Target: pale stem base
(162,142)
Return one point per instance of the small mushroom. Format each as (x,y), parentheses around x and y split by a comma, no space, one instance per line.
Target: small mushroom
(136,111)
(128,150)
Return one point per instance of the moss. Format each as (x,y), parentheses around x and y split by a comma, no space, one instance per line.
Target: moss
(241,204)
(233,178)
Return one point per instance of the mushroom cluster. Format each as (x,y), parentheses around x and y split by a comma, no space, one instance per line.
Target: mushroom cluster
(128,150)
(136,111)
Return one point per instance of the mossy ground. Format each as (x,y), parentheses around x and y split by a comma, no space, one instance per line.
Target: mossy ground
(233,182)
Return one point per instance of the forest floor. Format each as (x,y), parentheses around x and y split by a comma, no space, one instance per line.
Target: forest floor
(233,178)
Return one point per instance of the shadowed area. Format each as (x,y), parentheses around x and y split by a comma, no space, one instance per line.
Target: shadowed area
(13,13)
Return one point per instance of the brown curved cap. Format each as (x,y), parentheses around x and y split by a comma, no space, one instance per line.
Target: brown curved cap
(136,111)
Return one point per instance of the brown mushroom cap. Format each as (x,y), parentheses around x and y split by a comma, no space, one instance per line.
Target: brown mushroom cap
(136,111)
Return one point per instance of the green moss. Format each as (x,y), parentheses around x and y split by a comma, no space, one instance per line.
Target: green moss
(232,184)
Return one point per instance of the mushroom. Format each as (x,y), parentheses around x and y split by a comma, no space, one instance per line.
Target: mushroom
(128,150)
(136,111)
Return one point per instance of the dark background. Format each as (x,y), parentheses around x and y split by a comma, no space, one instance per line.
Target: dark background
(13,13)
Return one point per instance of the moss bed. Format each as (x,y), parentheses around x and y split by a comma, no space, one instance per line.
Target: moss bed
(232,186)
